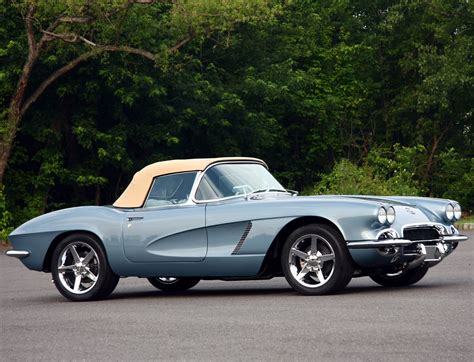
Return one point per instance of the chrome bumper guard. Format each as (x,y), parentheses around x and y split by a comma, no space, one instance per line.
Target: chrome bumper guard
(17,253)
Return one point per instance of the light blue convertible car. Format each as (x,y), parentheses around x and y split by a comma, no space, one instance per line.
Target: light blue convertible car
(182,221)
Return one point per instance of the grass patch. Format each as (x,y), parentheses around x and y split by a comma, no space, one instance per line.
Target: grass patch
(468,219)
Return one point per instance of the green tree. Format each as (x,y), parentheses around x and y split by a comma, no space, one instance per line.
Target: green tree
(108,26)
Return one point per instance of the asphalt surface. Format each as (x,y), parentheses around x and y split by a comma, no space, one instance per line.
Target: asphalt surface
(262,320)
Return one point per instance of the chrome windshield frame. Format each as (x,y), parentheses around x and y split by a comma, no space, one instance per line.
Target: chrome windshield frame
(201,175)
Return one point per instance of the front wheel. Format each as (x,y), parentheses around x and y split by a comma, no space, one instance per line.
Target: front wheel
(173,284)
(315,260)
(80,269)
(402,278)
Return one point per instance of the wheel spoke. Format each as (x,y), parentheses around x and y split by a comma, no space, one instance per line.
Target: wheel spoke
(77,283)
(74,253)
(88,257)
(302,273)
(300,254)
(65,268)
(326,257)
(320,276)
(314,244)
(91,275)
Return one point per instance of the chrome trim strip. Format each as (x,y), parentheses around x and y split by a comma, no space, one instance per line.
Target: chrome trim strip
(17,253)
(379,243)
(454,238)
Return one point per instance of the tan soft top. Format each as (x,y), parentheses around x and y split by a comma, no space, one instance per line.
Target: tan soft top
(136,192)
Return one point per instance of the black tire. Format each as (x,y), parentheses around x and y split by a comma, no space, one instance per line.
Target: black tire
(98,267)
(174,284)
(335,272)
(407,277)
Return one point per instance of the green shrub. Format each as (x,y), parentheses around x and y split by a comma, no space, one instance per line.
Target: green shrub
(383,172)
(455,179)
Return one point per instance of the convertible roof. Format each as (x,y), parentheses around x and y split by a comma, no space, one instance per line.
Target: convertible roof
(136,192)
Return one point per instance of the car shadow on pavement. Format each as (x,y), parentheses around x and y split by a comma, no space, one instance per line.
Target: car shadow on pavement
(282,292)
(197,293)
(285,292)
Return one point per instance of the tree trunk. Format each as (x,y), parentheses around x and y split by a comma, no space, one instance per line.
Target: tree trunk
(15,113)
(6,142)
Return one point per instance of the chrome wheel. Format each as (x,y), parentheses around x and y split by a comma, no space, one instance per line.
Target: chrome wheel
(168,280)
(311,261)
(401,278)
(315,260)
(78,267)
(171,284)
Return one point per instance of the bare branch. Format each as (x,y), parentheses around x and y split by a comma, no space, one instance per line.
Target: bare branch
(74,63)
(67,37)
(183,42)
(75,19)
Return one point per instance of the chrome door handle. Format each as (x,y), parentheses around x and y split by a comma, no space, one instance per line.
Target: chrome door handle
(131,218)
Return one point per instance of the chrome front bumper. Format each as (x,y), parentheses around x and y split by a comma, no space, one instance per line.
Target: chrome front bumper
(387,243)
(412,253)
(17,253)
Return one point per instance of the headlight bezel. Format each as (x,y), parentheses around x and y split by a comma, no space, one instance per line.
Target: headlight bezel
(391,215)
(382,215)
(457,211)
(449,212)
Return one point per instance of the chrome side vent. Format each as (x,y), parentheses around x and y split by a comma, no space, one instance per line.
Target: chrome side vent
(242,238)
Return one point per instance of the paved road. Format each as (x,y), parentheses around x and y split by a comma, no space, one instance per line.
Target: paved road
(262,320)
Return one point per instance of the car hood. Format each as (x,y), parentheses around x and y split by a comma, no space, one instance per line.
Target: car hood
(392,200)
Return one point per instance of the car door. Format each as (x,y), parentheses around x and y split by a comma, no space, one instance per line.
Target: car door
(168,228)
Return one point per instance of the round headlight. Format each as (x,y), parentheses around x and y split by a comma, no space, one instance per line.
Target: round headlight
(390,215)
(457,211)
(382,215)
(450,212)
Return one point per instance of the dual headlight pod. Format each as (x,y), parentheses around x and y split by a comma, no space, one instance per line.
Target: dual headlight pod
(386,215)
(453,212)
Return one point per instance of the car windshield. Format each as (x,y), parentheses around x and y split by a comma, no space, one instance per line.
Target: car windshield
(228,180)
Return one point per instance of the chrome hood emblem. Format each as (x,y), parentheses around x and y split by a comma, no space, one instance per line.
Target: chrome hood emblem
(410,210)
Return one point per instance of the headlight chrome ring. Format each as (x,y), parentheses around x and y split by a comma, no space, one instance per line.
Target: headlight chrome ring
(391,215)
(450,212)
(382,215)
(457,211)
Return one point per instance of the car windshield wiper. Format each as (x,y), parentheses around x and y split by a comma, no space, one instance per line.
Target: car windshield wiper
(265,190)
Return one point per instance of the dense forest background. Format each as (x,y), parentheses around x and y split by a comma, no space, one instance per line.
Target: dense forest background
(337,96)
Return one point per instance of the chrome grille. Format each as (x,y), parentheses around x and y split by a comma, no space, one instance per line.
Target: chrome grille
(421,233)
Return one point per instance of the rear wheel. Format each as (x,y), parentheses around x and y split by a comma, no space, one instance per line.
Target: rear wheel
(402,278)
(80,269)
(173,284)
(315,260)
